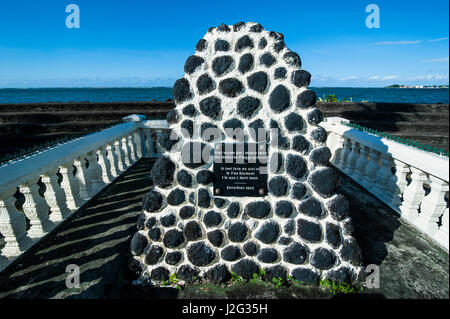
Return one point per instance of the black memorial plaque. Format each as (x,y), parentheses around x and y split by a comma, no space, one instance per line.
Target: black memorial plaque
(240,169)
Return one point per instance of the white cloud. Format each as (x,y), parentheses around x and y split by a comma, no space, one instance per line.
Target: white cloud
(397,42)
(390,77)
(352,77)
(437,40)
(436,60)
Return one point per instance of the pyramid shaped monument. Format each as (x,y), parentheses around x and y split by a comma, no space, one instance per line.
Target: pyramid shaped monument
(242,183)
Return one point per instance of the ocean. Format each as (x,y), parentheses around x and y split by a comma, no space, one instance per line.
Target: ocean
(393,95)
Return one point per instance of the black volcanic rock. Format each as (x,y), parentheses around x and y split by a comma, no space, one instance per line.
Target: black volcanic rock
(268,232)
(247,106)
(322,258)
(338,207)
(231,253)
(205,84)
(138,243)
(173,258)
(280,99)
(245,63)
(300,144)
(173,238)
(181,90)
(258,81)
(306,99)
(295,254)
(280,73)
(215,237)
(245,268)
(319,135)
(192,231)
(237,232)
(320,156)
(222,64)
(267,59)
(314,117)
(295,166)
(258,209)
(162,172)
(243,43)
(184,178)
(324,181)
(310,231)
(192,63)
(152,201)
(200,254)
(278,186)
(300,78)
(284,209)
(230,87)
(176,197)
(312,207)
(222,45)
(186,212)
(292,59)
(293,122)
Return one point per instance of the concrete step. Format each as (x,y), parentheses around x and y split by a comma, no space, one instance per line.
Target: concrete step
(412,117)
(84,106)
(392,126)
(50,117)
(382,107)
(60,127)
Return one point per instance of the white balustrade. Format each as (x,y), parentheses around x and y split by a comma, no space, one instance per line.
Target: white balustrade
(55,196)
(370,160)
(97,159)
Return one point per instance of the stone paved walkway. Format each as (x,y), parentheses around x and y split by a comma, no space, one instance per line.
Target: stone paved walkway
(97,239)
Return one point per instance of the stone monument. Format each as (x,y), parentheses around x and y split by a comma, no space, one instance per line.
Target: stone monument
(243,182)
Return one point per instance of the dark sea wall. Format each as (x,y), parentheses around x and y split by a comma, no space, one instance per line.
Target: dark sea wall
(23,125)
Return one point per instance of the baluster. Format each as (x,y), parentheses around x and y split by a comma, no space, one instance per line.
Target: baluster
(36,209)
(413,195)
(157,146)
(150,151)
(336,157)
(12,225)
(345,152)
(137,137)
(120,155)
(433,206)
(95,172)
(105,165)
(441,236)
(83,178)
(360,164)
(371,169)
(112,158)
(382,179)
(70,187)
(132,148)
(399,183)
(126,151)
(55,196)
(351,159)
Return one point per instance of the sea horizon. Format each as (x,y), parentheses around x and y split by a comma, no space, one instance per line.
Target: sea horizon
(162,93)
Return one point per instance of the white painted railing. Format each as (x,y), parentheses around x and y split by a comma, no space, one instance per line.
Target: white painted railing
(73,173)
(411,181)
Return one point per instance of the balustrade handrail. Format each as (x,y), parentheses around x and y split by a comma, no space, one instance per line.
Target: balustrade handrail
(434,164)
(24,169)
(73,172)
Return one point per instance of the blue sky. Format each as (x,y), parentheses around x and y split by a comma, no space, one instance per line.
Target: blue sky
(145,43)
